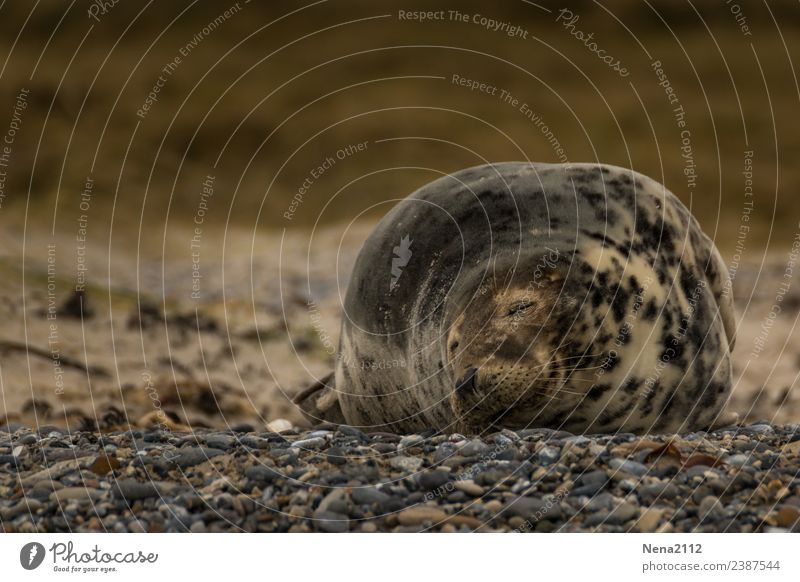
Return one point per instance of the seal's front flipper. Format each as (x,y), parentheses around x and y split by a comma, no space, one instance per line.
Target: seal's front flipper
(320,402)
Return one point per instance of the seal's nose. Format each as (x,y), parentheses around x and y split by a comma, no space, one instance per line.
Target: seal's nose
(466,385)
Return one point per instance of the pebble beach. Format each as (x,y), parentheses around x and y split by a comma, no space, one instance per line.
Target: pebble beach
(743,478)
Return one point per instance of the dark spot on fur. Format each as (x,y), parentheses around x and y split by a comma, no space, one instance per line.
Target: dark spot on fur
(597,390)
(651,310)
(619,303)
(649,397)
(631,385)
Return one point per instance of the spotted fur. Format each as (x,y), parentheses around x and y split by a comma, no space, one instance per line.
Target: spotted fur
(582,297)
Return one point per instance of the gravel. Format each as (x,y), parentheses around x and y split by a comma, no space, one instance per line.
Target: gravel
(342,479)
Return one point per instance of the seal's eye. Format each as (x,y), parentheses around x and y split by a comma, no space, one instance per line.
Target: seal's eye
(519,308)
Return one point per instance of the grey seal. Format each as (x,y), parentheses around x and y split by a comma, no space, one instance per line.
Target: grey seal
(581,297)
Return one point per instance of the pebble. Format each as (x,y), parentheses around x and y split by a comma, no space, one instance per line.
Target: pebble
(132,490)
(474,448)
(254,442)
(430,480)
(405,463)
(222,441)
(190,457)
(621,514)
(28,439)
(787,516)
(335,500)
(649,519)
(533,509)
(444,451)
(603,501)
(262,474)
(577,440)
(336,456)
(353,432)
(369,496)
(659,491)
(11,427)
(243,427)
(628,466)
(411,440)
(279,425)
(331,522)
(470,487)
(590,483)
(549,455)
(76,493)
(739,460)
(709,509)
(314,443)
(421,515)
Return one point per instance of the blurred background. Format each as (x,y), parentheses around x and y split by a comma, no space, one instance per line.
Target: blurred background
(278,86)
(216,165)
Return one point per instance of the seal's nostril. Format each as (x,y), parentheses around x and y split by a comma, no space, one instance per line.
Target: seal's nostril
(466,385)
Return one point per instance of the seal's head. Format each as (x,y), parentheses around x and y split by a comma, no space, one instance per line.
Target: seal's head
(516,352)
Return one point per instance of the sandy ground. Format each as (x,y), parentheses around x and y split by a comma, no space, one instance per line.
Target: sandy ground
(262,324)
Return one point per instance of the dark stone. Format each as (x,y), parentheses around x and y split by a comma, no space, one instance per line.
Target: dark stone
(262,474)
(254,442)
(458,497)
(11,427)
(415,497)
(596,476)
(132,490)
(221,441)
(275,437)
(648,494)
(336,456)
(444,451)
(474,448)
(369,496)
(590,484)
(488,477)
(534,509)
(194,456)
(601,502)
(156,436)
(353,432)
(8,460)
(506,455)
(48,428)
(430,480)
(243,427)
(622,514)
(627,466)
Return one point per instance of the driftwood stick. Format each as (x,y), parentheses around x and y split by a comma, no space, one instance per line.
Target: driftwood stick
(65,361)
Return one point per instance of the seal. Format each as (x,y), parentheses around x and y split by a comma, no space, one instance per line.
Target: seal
(580,297)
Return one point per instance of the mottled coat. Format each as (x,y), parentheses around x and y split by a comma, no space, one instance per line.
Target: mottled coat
(579,296)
